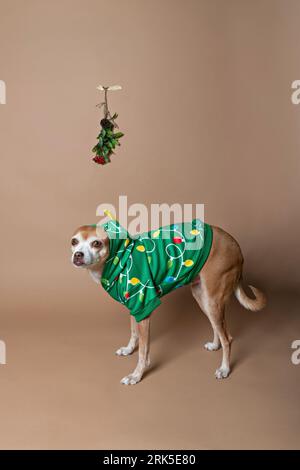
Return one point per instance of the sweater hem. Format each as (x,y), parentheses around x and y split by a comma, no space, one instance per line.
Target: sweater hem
(145,312)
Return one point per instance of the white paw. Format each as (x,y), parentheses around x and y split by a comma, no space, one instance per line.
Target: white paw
(124,351)
(222,373)
(131,379)
(211,346)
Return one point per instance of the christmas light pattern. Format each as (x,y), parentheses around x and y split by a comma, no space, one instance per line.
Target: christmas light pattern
(176,263)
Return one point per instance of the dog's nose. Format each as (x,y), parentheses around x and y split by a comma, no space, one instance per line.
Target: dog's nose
(78,255)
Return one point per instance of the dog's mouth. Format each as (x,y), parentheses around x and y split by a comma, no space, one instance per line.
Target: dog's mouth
(78,262)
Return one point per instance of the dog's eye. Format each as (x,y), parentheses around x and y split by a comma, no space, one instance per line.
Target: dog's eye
(74,242)
(96,244)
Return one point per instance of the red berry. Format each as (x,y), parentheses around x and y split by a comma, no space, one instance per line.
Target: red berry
(127,295)
(177,240)
(99,159)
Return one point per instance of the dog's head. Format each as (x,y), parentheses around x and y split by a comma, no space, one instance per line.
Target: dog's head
(90,247)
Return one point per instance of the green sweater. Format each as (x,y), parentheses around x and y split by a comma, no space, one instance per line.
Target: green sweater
(142,268)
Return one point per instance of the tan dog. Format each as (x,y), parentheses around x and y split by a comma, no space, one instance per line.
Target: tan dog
(219,278)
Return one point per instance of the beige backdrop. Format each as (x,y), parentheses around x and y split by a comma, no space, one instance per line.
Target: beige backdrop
(208,118)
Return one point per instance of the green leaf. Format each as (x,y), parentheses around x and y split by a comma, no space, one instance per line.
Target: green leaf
(118,135)
(103,133)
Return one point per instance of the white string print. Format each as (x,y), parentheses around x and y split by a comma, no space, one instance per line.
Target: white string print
(176,243)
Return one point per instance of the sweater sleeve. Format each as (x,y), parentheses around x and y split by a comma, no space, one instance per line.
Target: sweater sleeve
(144,311)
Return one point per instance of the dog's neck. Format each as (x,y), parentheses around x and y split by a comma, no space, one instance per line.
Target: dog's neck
(96,269)
(96,272)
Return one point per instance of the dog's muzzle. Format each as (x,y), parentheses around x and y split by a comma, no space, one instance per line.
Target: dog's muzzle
(78,258)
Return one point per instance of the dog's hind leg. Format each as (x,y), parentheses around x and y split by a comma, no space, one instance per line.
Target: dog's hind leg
(216,316)
(126,350)
(199,296)
(215,311)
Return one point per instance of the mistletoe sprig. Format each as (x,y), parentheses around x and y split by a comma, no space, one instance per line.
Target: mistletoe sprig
(108,139)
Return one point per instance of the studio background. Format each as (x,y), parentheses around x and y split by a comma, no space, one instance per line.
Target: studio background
(207,115)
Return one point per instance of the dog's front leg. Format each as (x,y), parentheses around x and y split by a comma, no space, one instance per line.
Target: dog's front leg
(144,343)
(126,350)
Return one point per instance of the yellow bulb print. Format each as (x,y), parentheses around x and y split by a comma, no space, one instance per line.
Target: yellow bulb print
(188,263)
(155,234)
(126,242)
(134,281)
(140,248)
(194,232)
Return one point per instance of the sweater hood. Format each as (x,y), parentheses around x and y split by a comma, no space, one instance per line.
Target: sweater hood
(120,247)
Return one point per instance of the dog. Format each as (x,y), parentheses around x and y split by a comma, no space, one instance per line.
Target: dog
(219,278)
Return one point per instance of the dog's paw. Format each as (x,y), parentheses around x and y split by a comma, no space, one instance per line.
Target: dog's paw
(222,373)
(124,351)
(131,379)
(211,346)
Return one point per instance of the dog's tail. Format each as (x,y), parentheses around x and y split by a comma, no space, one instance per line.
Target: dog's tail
(251,304)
